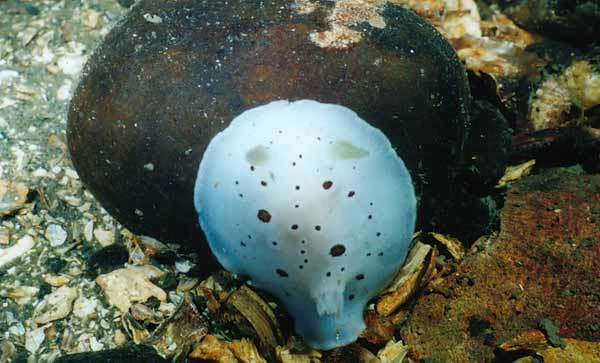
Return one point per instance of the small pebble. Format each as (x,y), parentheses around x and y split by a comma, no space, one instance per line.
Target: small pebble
(56,235)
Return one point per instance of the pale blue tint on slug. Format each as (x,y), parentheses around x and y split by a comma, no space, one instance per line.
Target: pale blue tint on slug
(314,205)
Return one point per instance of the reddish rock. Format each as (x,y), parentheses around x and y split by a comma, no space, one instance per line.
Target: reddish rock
(543,264)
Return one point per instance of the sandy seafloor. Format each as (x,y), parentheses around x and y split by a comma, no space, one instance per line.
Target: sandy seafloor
(43,47)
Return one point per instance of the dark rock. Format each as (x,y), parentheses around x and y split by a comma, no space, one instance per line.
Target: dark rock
(129,353)
(107,259)
(55,264)
(44,290)
(576,21)
(148,105)
(126,3)
(32,9)
(488,148)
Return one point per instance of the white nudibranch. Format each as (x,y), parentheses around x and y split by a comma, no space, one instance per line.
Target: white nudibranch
(313,204)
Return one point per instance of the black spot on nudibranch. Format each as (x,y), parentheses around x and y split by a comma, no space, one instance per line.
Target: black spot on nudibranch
(263,183)
(317,228)
(351,194)
(351,297)
(294,226)
(297,187)
(264,216)
(281,272)
(337,250)
(360,276)
(327,184)
(252,167)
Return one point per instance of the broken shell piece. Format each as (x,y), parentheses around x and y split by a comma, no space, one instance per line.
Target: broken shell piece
(13,196)
(142,312)
(285,355)
(407,281)
(393,352)
(4,235)
(104,237)
(22,294)
(56,280)
(134,329)
(535,341)
(246,351)
(455,247)
(56,305)
(85,308)
(214,350)
(125,286)
(56,235)
(515,172)
(186,284)
(350,353)
(578,85)
(7,350)
(34,338)
(259,314)
(151,246)
(10,254)
(185,328)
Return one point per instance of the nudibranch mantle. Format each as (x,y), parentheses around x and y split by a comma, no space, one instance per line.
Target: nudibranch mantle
(312,203)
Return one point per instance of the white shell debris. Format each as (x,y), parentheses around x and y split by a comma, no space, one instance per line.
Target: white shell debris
(71,64)
(151,18)
(10,254)
(183,265)
(6,75)
(104,237)
(56,305)
(13,196)
(56,235)
(393,352)
(4,235)
(34,339)
(84,307)
(125,286)
(64,92)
